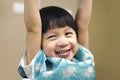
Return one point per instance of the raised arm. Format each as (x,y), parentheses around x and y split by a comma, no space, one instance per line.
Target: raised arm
(83,18)
(33,26)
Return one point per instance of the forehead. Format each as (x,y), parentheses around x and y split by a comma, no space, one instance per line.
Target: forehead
(56,30)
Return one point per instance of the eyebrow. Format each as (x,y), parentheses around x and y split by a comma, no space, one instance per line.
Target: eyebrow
(54,30)
(67,28)
(49,32)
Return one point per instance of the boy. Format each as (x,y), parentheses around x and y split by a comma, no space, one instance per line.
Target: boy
(54,48)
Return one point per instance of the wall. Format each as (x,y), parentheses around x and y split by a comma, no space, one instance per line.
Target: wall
(12,40)
(104,37)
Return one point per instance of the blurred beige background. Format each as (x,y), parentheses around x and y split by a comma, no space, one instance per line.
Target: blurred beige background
(104,37)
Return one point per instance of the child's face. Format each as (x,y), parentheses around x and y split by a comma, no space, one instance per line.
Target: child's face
(60,42)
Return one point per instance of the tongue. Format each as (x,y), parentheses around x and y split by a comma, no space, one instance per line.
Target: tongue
(64,55)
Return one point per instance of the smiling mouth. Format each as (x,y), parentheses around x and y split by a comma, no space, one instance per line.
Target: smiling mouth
(63,53)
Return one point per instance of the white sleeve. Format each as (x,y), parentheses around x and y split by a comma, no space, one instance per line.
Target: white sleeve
(25,71)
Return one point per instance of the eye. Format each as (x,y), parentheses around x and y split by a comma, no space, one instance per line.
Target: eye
(52,37)
(68,33)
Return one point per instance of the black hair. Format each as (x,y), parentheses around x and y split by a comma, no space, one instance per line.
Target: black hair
(53,16)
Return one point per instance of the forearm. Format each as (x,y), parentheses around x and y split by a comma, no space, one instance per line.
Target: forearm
(84,13)
(83,18)
(33,25)
(31,15)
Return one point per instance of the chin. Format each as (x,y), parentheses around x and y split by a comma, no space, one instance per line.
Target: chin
(70,58)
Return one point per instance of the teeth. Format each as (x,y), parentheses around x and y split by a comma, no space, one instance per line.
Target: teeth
(63,51)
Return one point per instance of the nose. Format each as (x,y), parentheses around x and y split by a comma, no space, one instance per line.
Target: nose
(62,42)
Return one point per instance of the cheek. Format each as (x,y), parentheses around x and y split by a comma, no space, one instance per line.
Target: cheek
(73,41)
(48,48)
(74,44)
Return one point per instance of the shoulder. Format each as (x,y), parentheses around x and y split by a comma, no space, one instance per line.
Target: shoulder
(40,55)
(83,53)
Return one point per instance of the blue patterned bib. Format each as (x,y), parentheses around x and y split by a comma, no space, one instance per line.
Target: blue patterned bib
(52,68)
